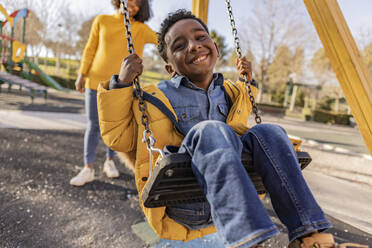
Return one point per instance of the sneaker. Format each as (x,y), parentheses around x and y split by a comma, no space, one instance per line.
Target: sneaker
(86,175)
(321,240)
(110,169)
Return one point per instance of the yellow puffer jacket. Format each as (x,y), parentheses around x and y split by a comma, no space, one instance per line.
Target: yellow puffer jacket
(122,131)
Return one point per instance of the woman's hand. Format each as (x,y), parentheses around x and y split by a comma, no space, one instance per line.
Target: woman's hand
(80,83)
(131,67)
(244,68)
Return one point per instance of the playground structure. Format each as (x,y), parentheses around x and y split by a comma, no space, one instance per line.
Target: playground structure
(345,58)
(17,69)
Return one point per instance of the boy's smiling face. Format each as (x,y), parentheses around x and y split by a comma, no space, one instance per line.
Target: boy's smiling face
(190,50)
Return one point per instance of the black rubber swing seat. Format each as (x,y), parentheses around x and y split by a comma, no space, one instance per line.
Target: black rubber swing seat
(172,181)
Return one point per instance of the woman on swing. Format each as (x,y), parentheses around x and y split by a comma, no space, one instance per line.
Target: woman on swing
(214,134)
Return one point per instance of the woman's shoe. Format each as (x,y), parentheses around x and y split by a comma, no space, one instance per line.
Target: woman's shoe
(86,175)
(110,169)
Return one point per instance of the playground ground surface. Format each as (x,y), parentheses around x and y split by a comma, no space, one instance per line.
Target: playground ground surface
(40,209)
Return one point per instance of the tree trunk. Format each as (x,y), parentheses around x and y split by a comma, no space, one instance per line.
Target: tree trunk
(306,104)
(337,105)
(57,64)
(293,98)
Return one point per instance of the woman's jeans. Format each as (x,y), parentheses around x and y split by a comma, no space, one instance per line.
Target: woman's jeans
(92,133)
(236,210)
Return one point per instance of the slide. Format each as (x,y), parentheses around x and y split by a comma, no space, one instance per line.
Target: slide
(44,77)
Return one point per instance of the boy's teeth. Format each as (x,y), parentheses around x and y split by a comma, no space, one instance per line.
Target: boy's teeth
(199,59)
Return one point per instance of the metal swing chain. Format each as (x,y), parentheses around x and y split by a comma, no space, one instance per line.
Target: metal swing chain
(239,53)
(148,137)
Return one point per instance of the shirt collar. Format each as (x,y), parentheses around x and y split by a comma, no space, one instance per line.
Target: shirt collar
(180,79)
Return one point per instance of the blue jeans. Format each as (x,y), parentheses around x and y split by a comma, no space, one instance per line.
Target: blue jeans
(236,210)
(92,133)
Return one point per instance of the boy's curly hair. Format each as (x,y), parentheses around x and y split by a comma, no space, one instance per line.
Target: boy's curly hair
(144,13)
(168,23)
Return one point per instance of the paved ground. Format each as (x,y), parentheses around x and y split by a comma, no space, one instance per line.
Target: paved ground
(40,209)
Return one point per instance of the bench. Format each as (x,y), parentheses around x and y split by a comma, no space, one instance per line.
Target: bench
(33,88)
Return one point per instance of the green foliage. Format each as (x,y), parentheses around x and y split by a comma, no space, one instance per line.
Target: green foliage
(307,113)
(321,66)
(284,64)
(331,118)
(278,95)
(272,109)
(72,71)
(65,82)
(300,98)
(325,103)
(280,68)
(221,44)
(153,77)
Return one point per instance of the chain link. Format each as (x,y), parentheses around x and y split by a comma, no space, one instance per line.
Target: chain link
(148,138)
(239,53)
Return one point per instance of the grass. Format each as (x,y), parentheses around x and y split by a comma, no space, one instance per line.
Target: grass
(153,77)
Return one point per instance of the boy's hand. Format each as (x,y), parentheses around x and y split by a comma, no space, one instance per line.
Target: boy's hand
(131,67)
(244,67)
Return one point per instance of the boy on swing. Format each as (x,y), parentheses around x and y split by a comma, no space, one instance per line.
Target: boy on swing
(212,117)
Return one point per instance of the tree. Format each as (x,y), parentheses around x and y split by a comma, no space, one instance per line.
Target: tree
(221,44)
(280,69)
(285,65)
(322,69)
(34,29)
(274,23)
(298,62)
(232,59)
(49,12)
(367,54)
(83,34)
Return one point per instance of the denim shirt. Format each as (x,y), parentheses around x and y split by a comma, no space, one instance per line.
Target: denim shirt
(193,104)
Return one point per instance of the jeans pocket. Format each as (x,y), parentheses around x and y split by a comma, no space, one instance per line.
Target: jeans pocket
(190,214)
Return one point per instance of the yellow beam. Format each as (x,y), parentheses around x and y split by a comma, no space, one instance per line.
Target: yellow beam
(200,9)
(345,58)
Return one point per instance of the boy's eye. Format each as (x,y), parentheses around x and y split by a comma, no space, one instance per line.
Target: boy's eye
(178,46)
(200,37)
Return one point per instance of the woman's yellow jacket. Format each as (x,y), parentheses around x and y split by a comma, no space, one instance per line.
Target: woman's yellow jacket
(122,131)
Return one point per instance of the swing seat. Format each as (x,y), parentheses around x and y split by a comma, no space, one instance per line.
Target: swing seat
(172,181)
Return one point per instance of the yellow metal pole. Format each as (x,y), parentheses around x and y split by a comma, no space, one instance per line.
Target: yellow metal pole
(345,58)
(200,9)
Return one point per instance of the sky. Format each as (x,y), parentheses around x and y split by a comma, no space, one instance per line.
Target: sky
(357,14)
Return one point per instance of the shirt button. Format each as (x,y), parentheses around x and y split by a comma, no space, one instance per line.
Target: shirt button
(144,179)
(239,111)
(184,115)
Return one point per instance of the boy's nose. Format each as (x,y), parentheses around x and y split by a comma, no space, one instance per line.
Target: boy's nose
(194,45)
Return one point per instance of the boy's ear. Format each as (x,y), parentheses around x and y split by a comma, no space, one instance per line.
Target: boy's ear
(218,51)
(170,70)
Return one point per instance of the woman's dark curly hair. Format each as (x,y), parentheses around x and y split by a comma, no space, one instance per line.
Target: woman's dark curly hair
(168,23)
(144,12)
